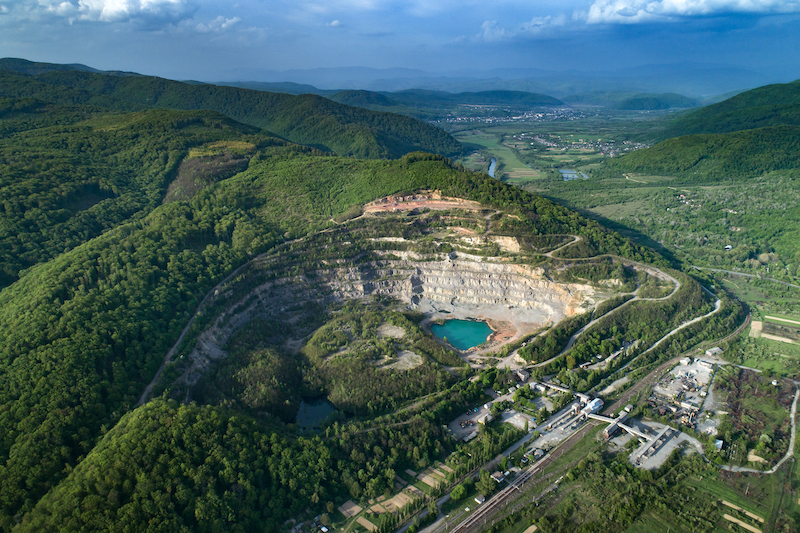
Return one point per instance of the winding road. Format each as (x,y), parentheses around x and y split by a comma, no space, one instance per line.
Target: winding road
(636,298)
(757,276)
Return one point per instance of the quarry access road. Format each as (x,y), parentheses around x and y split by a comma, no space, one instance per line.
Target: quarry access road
(636,298)
(577,239)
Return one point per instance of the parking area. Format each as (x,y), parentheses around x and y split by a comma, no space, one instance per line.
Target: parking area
(467,423)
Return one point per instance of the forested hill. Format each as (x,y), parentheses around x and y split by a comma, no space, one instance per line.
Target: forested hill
(649,102)
(306,119)
(69,173)
(717,156)
(85,328)
(632,101)
(363,99)
(771,105)
(23,66)
(749,134)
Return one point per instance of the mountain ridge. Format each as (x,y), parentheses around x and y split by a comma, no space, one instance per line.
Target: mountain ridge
(305,119)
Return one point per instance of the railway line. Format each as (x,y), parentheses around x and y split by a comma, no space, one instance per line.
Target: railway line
(500,499)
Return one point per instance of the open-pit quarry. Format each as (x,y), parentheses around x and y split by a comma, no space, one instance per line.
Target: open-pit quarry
(444,263)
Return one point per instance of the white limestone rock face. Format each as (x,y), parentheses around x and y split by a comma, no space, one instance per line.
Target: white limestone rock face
(487,286)
(460,285)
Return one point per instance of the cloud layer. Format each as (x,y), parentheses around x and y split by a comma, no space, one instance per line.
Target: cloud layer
(636,11)
(189,36)
(150,11)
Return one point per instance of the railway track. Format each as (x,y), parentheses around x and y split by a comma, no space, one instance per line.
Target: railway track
(500,499)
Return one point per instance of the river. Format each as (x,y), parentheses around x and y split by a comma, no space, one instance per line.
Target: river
(492,166)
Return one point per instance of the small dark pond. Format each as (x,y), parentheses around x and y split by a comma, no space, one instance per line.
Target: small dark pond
(313,412)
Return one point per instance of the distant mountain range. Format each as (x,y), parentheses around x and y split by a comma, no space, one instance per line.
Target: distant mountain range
(692,79)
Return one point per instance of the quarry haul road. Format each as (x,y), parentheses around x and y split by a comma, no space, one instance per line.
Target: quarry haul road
(171,352)
(636,298)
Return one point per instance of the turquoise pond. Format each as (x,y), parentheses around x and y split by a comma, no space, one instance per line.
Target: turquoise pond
(462,334)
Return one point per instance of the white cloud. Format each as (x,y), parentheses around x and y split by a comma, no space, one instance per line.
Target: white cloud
(218,24)
(491,31)
(334,24)
(148,11)
(539,24)
(635,11)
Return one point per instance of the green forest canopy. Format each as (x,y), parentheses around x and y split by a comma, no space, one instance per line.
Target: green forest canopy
(89,320)
(305,119)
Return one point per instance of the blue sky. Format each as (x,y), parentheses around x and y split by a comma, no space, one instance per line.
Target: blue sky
(226,39)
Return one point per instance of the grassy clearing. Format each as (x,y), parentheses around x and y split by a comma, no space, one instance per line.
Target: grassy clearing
(612,211)
(772,356)
(764,297)
(760,490)
(652,521)
(649,178)
(220,147)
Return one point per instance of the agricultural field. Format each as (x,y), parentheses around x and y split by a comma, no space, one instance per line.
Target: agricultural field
(509,166)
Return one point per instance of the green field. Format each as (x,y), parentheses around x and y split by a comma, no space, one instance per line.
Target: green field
(795,318)
(653,521)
